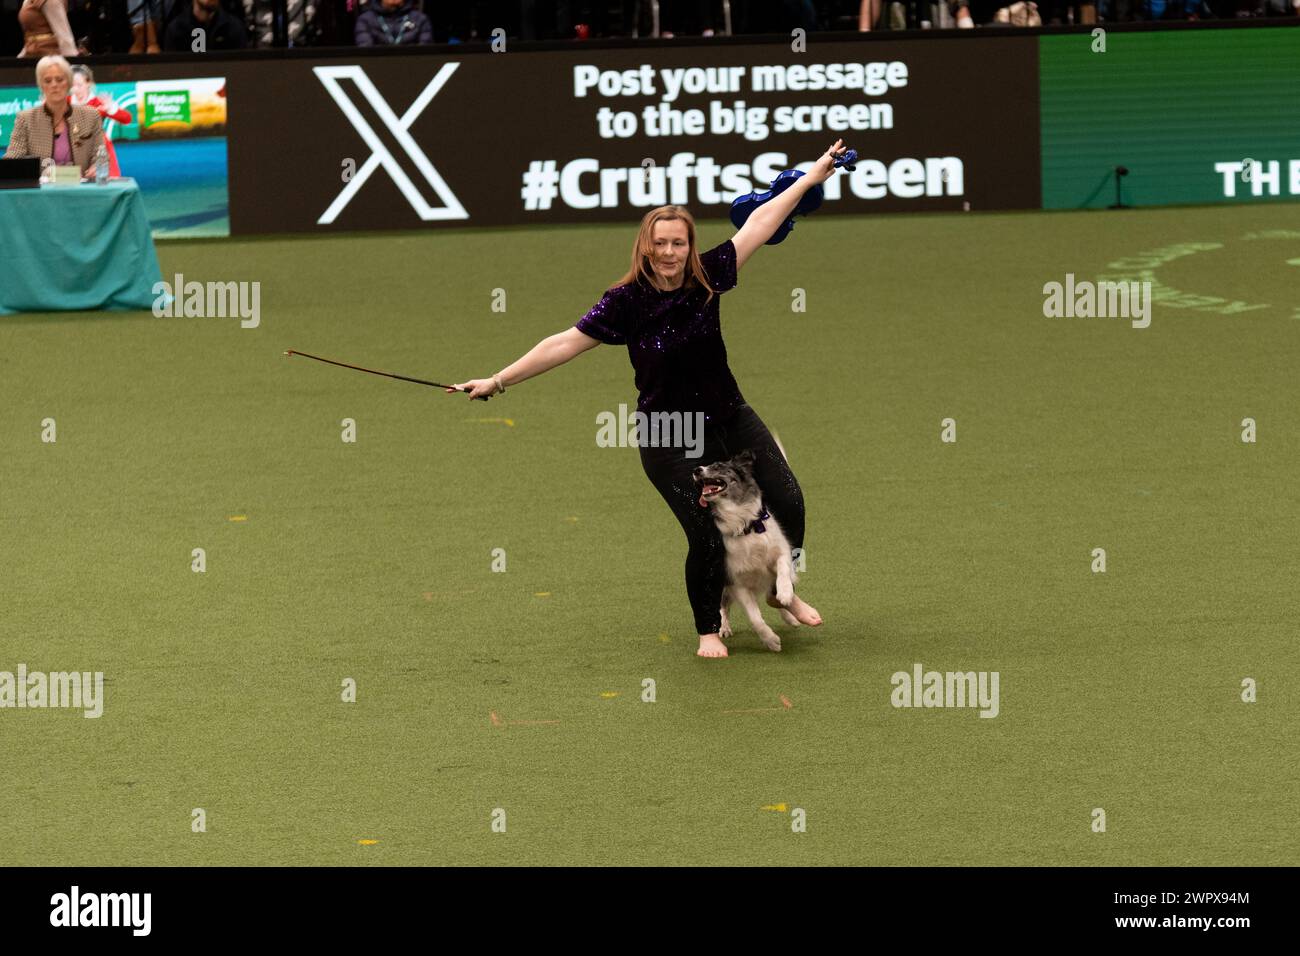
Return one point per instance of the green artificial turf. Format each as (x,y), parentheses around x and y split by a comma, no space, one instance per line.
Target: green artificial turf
(373,560)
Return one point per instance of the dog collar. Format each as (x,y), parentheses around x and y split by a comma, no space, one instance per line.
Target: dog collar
(757,524)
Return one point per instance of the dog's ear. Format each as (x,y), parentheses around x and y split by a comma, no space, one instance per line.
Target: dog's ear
(746,459)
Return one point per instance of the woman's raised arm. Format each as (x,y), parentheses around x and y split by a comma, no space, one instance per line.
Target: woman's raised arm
(545,355)
(767,218)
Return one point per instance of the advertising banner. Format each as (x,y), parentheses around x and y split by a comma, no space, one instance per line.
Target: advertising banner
(1194,116)
(579,136)
(445,137)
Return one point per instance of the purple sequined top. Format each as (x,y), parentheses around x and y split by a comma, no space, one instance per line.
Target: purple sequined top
(674,340)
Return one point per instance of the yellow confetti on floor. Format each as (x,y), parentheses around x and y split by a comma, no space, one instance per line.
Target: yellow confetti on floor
(508,422)
(608,694)
(778,807)
(367,842)
(239,517)
(664,639)
(572,519)
(541,594)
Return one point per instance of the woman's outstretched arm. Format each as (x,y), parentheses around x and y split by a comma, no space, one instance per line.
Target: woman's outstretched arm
(545,355)
(767,218)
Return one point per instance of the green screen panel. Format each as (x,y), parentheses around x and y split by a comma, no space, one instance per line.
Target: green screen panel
(1169,106)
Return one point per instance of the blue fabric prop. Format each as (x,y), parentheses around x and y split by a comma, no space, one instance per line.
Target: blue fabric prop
(742,207)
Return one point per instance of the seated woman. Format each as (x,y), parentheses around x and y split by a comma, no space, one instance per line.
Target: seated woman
(54,127)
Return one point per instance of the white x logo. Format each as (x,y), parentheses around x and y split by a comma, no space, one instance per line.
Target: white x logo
(380,156)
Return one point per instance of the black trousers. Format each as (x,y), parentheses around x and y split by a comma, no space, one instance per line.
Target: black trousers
(669,470)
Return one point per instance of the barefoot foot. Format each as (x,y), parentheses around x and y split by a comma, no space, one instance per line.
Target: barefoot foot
(805,613)
(711,646)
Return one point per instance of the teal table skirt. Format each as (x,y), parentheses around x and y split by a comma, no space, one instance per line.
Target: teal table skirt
(76,248)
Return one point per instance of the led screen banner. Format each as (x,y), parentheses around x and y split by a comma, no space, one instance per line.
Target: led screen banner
(169,136)
(441,137)
(1194,116)
(603,135)
(446,137)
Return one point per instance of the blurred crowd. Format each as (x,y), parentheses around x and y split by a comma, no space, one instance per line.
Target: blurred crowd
(82,27)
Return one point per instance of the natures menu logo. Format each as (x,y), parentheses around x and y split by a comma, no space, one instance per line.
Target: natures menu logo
(166,107)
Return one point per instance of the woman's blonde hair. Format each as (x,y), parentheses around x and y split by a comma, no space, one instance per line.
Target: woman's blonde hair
(53,60)
(643,250)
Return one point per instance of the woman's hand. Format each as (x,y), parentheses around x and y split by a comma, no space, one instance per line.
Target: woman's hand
(826,165)
(479,387)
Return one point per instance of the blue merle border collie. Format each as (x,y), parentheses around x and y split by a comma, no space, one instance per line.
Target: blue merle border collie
(758,553)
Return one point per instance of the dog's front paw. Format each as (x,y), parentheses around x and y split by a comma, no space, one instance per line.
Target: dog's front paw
(724,632)
(784,594)
(789,618)
(771,640)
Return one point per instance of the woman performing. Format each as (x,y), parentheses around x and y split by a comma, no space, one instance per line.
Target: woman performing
(665,310)
(83,94)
